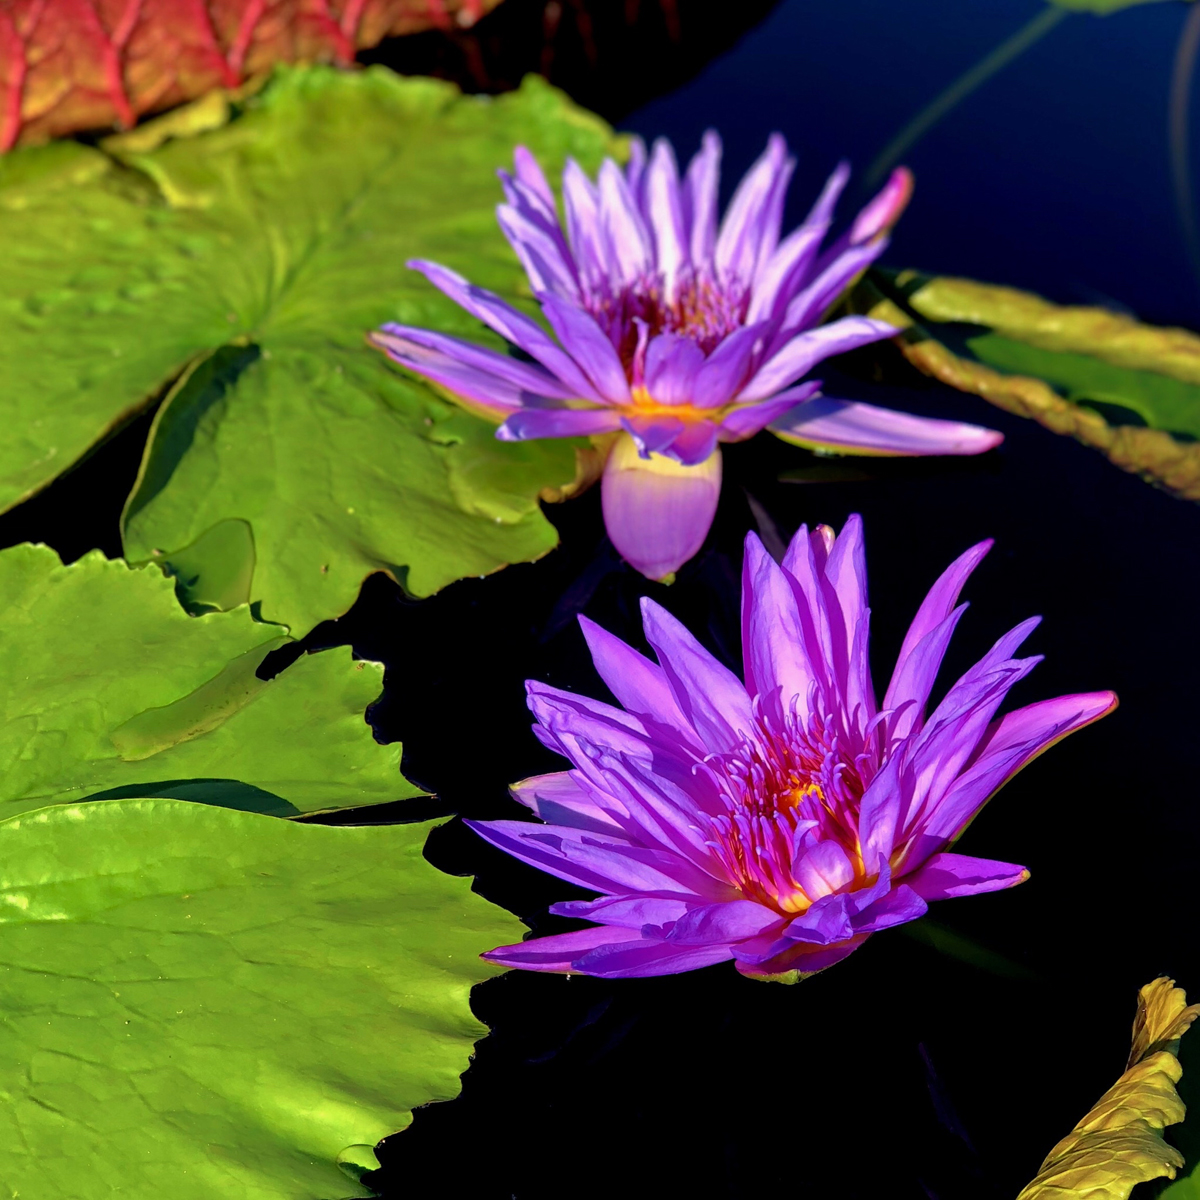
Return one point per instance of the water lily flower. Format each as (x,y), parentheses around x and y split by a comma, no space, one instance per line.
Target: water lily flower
(782,820)
(673,332)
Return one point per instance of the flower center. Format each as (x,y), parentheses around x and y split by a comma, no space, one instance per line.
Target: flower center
(788,834)
(699,308)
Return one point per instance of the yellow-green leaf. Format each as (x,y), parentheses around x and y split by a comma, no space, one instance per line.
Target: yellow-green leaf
(1128,389)
(1119,1144)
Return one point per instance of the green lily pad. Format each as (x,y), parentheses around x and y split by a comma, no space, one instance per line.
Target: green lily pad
(202,1003)
(239,269)
(112,690)
(1129,389)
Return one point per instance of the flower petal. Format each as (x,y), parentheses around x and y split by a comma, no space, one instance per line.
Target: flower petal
(627,912)
(932,614)
(798,356)
(627,238)
(652,433)
(850,427)
(723,924)
(748,419)
(648,957)
(664,211)
(558,422)
(559,951)
(710,695)
(701,187)
(776,665)
(584,340)
(546,259)
(787,957)
(751,222)
(516,327)
(602,863)
(726,369)
(947,875)
(834,276)
(658,512)
(480,388)
(672,364)
(639,685)
(558,799)
(882,212)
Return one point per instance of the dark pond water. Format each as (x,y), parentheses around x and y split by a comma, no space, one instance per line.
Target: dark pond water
(906,1071)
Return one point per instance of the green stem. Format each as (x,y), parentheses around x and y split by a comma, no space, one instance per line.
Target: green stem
(1178,129)
(962,87)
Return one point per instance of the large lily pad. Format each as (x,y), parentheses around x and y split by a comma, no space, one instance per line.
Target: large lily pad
(1130,390)
(247,262)
(111,689)
(201,1003)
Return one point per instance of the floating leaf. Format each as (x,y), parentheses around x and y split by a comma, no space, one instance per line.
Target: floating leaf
(246,264)
(202,1003)
(1119,1143)
(84,64)
(1128,389)
(110,689)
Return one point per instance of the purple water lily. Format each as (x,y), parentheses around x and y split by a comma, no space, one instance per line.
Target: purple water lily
(673,332)
(781,821)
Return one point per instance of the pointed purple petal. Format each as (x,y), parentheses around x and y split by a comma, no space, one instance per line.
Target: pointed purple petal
(641,960)
(694,445)
(672,364)
(776,666)
(543,254)
(483,392)
(810,305)
(710,695)
(798,356)
(627,912)
(900,905)
(703,180)
(849,427)
(748,419)
(558,952)
(664,211)
(751,222)
(652,433)
(603,863)
(558,422)
(658,512)
(626,234)
(934,610)
(515,326)
(639,685)
(729,365)
(530,173)
(723,924)
(822,211)
(947,875)
(785,272)
(558,799)
(882,212)
(585,342)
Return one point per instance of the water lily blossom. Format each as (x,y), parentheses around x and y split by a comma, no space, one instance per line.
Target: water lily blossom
(781,820)
(673,331)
